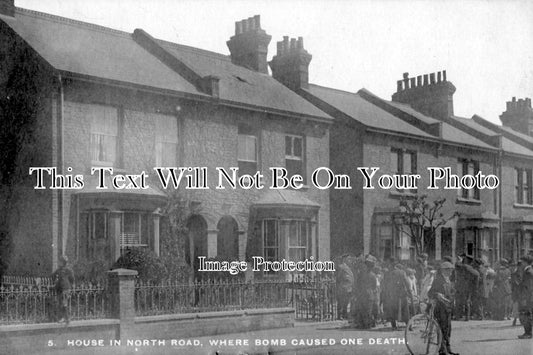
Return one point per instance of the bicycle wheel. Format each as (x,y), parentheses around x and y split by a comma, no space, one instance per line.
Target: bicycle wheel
(422,335)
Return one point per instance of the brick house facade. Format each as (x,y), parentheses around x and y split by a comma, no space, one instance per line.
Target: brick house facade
(132,102)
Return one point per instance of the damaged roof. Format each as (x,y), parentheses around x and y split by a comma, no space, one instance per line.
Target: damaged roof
(85,49)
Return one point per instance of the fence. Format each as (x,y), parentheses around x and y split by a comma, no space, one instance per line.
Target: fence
(32,300)
(37,303)
(312,299)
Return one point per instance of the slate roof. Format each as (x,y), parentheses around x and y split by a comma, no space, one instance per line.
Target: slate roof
(370,115)
(86,49)
(508,145)
(363,111)
(241,84)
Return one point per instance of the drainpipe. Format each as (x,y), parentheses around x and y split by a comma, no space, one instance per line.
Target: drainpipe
(61,168)
(500,213)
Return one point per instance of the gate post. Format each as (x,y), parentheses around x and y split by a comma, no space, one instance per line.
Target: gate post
(121,284)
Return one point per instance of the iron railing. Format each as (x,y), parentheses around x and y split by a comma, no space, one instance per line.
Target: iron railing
(38,304)
(312,299)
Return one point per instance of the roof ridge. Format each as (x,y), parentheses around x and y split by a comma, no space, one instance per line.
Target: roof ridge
(71,21)
(334,89)
(195,49)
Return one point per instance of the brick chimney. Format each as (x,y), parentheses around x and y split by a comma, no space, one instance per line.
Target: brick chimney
(430,94)
(249,45)
(519,116)
(290,65)
(7,7)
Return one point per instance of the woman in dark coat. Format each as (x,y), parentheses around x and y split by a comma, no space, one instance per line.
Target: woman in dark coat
(395,295)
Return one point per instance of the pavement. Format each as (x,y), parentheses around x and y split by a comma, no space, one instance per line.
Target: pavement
(472,338)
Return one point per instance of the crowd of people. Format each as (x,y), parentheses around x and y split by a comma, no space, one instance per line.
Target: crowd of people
(370,292)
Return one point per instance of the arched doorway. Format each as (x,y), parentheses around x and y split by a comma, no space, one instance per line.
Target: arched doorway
(197,245)
(227,238)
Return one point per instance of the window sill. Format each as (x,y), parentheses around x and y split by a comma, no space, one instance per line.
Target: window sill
(398,194)
(523,205)
(468,201)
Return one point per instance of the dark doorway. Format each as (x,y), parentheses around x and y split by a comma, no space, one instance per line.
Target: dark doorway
(197,239)
(227,239)
(446,242)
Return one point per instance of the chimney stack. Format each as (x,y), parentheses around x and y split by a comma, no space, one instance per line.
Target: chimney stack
(429,93)
(249,45)
(7,7)
(519,115)
(290,65)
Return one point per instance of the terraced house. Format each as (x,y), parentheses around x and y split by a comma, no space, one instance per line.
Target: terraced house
(417,129)
(129,101)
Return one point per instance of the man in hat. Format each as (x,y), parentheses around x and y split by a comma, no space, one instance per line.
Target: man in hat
(344,282)
(525,303)
(395,294)
(501,293)
(466,280)
(63,278)
(442,293)
(366,293)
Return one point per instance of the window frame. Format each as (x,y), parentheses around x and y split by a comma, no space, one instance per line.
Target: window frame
(162,140)
(295,158)
(465,164)
(400,160)
(95,132)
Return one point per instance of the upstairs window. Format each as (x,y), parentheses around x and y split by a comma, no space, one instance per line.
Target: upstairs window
(166,141)
(523,193)
(403,162)
(294,155)
(247,151)
(470,167)
(104,135)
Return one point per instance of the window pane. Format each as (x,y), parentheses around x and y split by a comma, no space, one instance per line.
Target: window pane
(130,229)
(166,129)
(394,167)
(294,167)
(297,147)
(288,145)
(99,225)
(270,234)
(247,148)
(407,163)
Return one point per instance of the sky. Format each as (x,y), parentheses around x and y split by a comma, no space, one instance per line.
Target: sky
(486,47)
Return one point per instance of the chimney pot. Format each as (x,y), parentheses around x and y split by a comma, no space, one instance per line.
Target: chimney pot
(444,75)
(439,77)
(514,98)
(257,20)
(238,27)
(419,80)
(528,102)
(405,75)
(251,24)
(413,82)
(432,78)
(293,44)
(426,79)
(508,105)
(399,86)
(300,43)
(280,48)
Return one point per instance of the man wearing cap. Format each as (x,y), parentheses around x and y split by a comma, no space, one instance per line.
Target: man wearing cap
(466,280)
(525,302)
(63,278)
(442,293)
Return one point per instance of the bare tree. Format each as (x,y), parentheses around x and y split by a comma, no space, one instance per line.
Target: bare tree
(421,219)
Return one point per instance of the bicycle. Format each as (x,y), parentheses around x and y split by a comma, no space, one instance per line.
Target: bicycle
(422,333)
